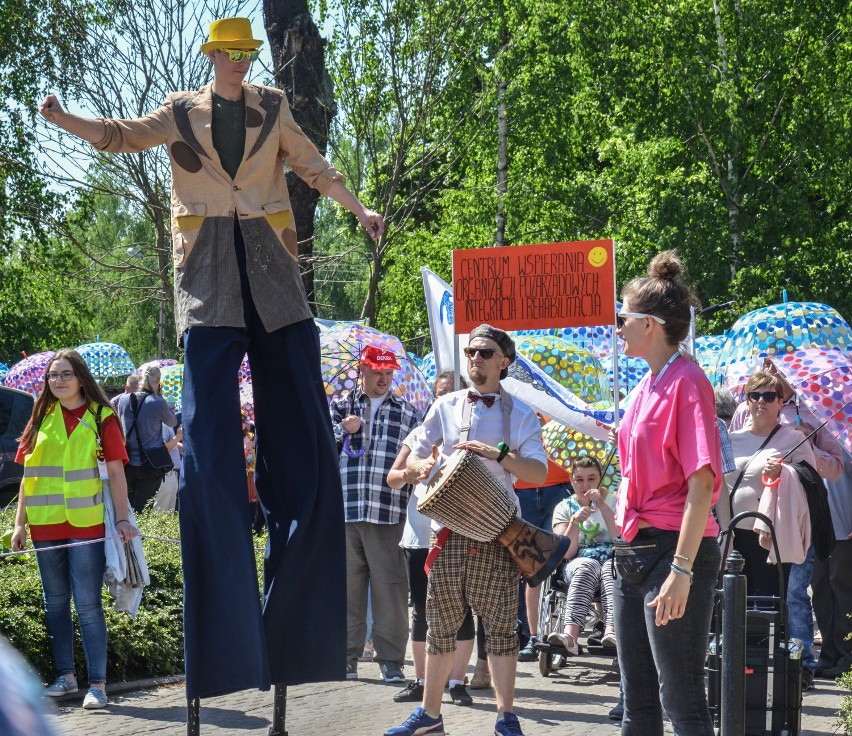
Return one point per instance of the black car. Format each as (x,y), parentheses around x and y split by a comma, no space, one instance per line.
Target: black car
(15,410)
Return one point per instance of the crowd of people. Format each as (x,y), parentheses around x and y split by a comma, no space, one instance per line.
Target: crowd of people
(650,549)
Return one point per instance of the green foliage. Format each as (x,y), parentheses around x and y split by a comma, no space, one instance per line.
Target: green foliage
(844,715)
(150,645)
(36,313)
(656,127)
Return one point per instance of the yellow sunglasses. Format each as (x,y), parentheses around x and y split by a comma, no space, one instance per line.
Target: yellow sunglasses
(238,54)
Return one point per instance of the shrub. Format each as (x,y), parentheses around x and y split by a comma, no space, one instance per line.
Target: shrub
(151,645)
(844,715)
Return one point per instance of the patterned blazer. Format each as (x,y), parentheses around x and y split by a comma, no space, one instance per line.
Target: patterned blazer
(206,201)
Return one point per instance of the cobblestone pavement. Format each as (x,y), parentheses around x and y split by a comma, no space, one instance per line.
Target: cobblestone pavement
(572,702)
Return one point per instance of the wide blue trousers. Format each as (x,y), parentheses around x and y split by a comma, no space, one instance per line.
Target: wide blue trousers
(296,633)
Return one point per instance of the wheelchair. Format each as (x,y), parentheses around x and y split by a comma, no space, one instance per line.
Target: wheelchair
(553,616)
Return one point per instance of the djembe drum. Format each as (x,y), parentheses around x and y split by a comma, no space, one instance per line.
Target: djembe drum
(466,497)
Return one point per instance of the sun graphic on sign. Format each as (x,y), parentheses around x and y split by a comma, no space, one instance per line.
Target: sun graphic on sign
(597,256)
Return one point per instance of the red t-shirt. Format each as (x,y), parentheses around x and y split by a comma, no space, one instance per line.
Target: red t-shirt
(113,444)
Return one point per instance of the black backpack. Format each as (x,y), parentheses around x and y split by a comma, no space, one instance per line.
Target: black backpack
(822,529)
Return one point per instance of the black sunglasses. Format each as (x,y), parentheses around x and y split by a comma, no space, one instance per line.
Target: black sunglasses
(486,353)
(767,396)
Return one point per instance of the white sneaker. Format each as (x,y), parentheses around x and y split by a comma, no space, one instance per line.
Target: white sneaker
(95,698)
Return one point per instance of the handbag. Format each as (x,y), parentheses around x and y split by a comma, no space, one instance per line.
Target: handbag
(635,560)
(166,498)
(158,456)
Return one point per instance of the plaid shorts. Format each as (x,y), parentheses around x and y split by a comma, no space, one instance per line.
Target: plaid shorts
(481,575)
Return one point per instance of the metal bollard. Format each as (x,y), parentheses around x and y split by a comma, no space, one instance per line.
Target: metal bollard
(733,646)
(279,711)
(193,717)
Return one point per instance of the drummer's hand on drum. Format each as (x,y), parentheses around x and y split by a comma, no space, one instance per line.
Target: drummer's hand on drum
(423,466)
(479,448)
(350,424)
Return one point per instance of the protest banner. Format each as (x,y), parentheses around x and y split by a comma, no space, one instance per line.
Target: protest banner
(525,287)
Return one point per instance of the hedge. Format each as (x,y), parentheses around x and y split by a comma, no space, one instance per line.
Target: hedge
(151,645)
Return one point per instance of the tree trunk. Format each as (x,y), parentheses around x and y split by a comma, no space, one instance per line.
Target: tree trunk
(502,137)
(299,62)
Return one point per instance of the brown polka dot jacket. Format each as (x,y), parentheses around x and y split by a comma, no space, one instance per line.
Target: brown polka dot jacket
(205,203)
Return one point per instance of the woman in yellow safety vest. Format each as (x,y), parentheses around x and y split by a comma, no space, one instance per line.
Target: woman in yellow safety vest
(72,431)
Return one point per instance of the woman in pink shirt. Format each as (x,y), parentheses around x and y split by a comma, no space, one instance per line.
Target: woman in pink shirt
(668,559)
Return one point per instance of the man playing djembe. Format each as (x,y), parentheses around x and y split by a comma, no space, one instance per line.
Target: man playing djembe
(505,434)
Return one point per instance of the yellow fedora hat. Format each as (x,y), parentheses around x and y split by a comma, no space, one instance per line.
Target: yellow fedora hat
(231,33)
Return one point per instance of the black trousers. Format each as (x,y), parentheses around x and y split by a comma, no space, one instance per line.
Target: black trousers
(143,482)
(832,601)
(234,639)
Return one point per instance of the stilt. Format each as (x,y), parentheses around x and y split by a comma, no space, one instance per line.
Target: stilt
(279,711)
(193,717)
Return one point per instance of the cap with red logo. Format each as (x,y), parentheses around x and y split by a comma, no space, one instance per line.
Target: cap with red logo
(378,359)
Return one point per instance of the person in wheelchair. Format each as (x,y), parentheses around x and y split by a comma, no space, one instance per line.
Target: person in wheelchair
(588,518)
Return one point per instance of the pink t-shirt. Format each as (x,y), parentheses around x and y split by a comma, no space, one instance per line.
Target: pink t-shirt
(668,433)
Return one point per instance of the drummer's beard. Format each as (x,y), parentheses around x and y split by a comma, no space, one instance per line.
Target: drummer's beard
(477,375)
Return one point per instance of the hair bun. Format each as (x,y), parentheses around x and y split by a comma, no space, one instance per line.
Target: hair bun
(666,265)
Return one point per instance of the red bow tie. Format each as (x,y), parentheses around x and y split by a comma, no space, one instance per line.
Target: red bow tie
(488,400)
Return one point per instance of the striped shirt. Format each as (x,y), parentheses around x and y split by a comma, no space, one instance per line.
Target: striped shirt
(366,494)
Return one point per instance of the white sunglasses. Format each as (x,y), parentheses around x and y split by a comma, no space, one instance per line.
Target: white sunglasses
(621,316)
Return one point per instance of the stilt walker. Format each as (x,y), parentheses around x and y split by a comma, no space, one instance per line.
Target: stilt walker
(238,290)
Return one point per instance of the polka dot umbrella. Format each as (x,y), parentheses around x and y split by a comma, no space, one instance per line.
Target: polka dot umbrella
(244,371)
(171,378)
(106,360)
(707,349)
(28,374)
(159,362)
(564,445)
(247,400)
(340,349)
(567,364)
(823,380)
(597,340)
(428,368)
(630,371)
(778,330)
(4,369)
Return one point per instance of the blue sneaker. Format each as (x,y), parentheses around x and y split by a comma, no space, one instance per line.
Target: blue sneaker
(508,725)
(419,724)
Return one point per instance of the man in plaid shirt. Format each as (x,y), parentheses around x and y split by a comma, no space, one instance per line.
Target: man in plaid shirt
(370,423)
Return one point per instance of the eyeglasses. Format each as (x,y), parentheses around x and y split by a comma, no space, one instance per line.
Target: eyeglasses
(485,353)
(621,316)
(238,54)
(767,396)
(64,376)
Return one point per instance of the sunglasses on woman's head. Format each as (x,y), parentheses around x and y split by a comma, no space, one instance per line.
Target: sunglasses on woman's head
(767,396)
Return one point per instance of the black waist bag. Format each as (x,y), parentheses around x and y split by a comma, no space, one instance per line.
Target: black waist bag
(635,560)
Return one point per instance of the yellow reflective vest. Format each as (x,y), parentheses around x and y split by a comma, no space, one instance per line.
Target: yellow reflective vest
(61,477)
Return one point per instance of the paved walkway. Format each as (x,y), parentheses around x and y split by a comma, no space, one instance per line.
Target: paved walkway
(573,702)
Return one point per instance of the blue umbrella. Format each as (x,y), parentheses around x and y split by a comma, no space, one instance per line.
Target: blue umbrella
(106,359)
